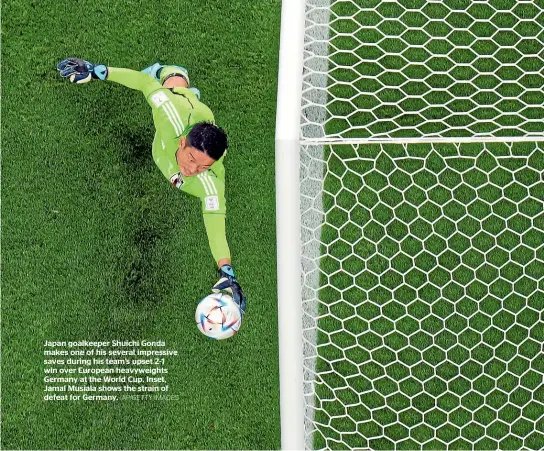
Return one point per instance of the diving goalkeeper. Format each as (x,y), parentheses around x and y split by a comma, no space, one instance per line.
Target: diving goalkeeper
(188,147)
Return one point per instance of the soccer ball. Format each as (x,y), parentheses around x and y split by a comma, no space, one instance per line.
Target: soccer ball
(218,316)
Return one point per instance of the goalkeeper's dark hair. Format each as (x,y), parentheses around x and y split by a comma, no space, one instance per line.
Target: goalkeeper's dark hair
(208,138)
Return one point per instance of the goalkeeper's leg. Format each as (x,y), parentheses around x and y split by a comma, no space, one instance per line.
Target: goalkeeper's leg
(171,76)
(175,82)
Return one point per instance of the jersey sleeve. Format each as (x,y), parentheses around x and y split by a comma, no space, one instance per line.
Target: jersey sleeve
(166,117)
(217,236)
(211,191)
(134,80)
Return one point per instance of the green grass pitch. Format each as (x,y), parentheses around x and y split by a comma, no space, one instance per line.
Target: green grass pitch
(96,244)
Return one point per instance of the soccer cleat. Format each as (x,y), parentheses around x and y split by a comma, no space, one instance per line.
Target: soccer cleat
(153,70)
(196,91)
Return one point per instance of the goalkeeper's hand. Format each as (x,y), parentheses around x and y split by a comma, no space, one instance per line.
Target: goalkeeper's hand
(81,71)
(228,283)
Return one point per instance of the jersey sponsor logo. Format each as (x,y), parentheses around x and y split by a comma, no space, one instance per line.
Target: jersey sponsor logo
(159,98)
(212,203)
(176,180)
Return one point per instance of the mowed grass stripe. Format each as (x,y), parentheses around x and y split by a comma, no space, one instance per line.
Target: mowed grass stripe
(98,245)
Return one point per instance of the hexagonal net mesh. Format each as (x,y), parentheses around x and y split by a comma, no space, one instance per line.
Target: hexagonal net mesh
(423,295)
(411,68)
(423,224)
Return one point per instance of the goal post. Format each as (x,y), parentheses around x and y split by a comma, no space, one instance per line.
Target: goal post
(288,224)
(410,222)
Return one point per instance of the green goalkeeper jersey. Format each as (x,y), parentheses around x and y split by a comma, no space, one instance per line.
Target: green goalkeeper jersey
(175,111)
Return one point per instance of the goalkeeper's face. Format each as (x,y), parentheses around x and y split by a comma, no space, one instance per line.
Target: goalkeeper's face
(192,161)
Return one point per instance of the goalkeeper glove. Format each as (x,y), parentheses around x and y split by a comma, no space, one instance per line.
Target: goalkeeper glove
(81,71)
(228,283)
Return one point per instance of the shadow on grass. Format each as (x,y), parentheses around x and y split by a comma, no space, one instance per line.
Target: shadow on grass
(136,148)
(143,266)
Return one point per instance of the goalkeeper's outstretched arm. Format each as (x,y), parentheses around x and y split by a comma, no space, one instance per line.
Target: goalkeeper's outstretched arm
(81,71)
(133,79)
(217,237)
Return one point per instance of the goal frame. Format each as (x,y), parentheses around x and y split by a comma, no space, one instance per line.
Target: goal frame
(287,166)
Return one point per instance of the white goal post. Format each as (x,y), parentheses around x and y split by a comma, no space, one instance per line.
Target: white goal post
(288,224)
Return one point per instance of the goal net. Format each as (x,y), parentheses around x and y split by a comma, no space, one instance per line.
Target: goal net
(422,224)
(423,295)
(407,68)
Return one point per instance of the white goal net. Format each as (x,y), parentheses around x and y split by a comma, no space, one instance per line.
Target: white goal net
(422,215)
(408,68)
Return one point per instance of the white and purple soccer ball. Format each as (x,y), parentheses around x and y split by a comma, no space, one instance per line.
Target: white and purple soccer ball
(218,316)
